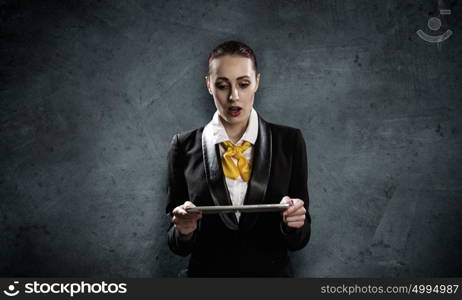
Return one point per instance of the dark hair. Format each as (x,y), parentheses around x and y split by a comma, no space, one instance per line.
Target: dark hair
(233,48)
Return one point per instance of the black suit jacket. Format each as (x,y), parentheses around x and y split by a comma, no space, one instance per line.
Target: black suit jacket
(258,244)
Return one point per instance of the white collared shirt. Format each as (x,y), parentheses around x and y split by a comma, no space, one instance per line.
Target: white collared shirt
(237,187)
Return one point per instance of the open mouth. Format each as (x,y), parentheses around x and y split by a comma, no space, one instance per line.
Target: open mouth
(234,108)
(234,111)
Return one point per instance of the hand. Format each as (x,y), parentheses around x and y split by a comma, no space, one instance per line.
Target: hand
(185,222)
(294,216)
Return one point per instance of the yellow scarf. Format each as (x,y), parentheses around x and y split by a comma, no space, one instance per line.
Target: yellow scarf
(243,167)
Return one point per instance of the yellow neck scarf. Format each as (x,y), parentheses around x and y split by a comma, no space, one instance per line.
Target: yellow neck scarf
(243,167)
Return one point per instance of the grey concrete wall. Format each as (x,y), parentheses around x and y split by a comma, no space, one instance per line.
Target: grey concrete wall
(92,92)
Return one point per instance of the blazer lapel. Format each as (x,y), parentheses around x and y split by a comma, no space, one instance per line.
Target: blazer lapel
(261,168)
(215,178)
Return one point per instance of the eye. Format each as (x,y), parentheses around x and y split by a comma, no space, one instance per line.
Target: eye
(221,86)
(244,84)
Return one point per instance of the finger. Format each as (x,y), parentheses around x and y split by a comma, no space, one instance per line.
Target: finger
(298,212)
(297,224)
(185,222)
(295,218)
(188,204)
(179,221)
(179,210)
(176,220)
(184,231)
(184,217)
(297,203)
(192,213)
(190,216)
(285,199)
(185,227)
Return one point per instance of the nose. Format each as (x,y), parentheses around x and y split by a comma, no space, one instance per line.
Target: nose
(234,94)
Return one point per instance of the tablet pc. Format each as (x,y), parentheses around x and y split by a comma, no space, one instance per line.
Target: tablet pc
(238,208)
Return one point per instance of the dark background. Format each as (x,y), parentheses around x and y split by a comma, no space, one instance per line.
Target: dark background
(92,92)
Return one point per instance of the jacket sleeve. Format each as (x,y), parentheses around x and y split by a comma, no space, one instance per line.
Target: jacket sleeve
(177,194)
(297,238)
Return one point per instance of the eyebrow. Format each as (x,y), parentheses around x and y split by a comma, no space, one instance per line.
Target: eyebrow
(241,77)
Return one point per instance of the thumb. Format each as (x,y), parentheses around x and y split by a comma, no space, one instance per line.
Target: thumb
(287,199)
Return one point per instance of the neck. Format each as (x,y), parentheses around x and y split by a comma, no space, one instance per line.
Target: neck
(235,131)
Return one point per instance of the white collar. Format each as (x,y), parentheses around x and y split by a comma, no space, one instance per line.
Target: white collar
(215,130)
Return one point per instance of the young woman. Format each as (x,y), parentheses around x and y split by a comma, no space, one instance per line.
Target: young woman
(238,158)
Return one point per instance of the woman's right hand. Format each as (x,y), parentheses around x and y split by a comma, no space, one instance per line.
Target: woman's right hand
(185,222)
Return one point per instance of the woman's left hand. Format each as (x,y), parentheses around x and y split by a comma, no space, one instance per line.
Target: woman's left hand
(294,216)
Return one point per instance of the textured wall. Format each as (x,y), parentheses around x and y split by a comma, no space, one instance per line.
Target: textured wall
(92,92)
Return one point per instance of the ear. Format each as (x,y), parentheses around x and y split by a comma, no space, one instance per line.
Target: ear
(207,83)
(257,82)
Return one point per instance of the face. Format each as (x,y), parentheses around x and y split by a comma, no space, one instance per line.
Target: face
(232,82)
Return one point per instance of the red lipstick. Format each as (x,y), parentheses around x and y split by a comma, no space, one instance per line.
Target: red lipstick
(234,111)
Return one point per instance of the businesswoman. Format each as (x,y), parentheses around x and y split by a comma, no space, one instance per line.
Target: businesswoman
(238,158)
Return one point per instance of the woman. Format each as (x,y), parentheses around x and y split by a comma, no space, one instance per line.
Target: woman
(237,159)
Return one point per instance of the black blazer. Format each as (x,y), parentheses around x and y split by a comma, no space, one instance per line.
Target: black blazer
(258,245)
